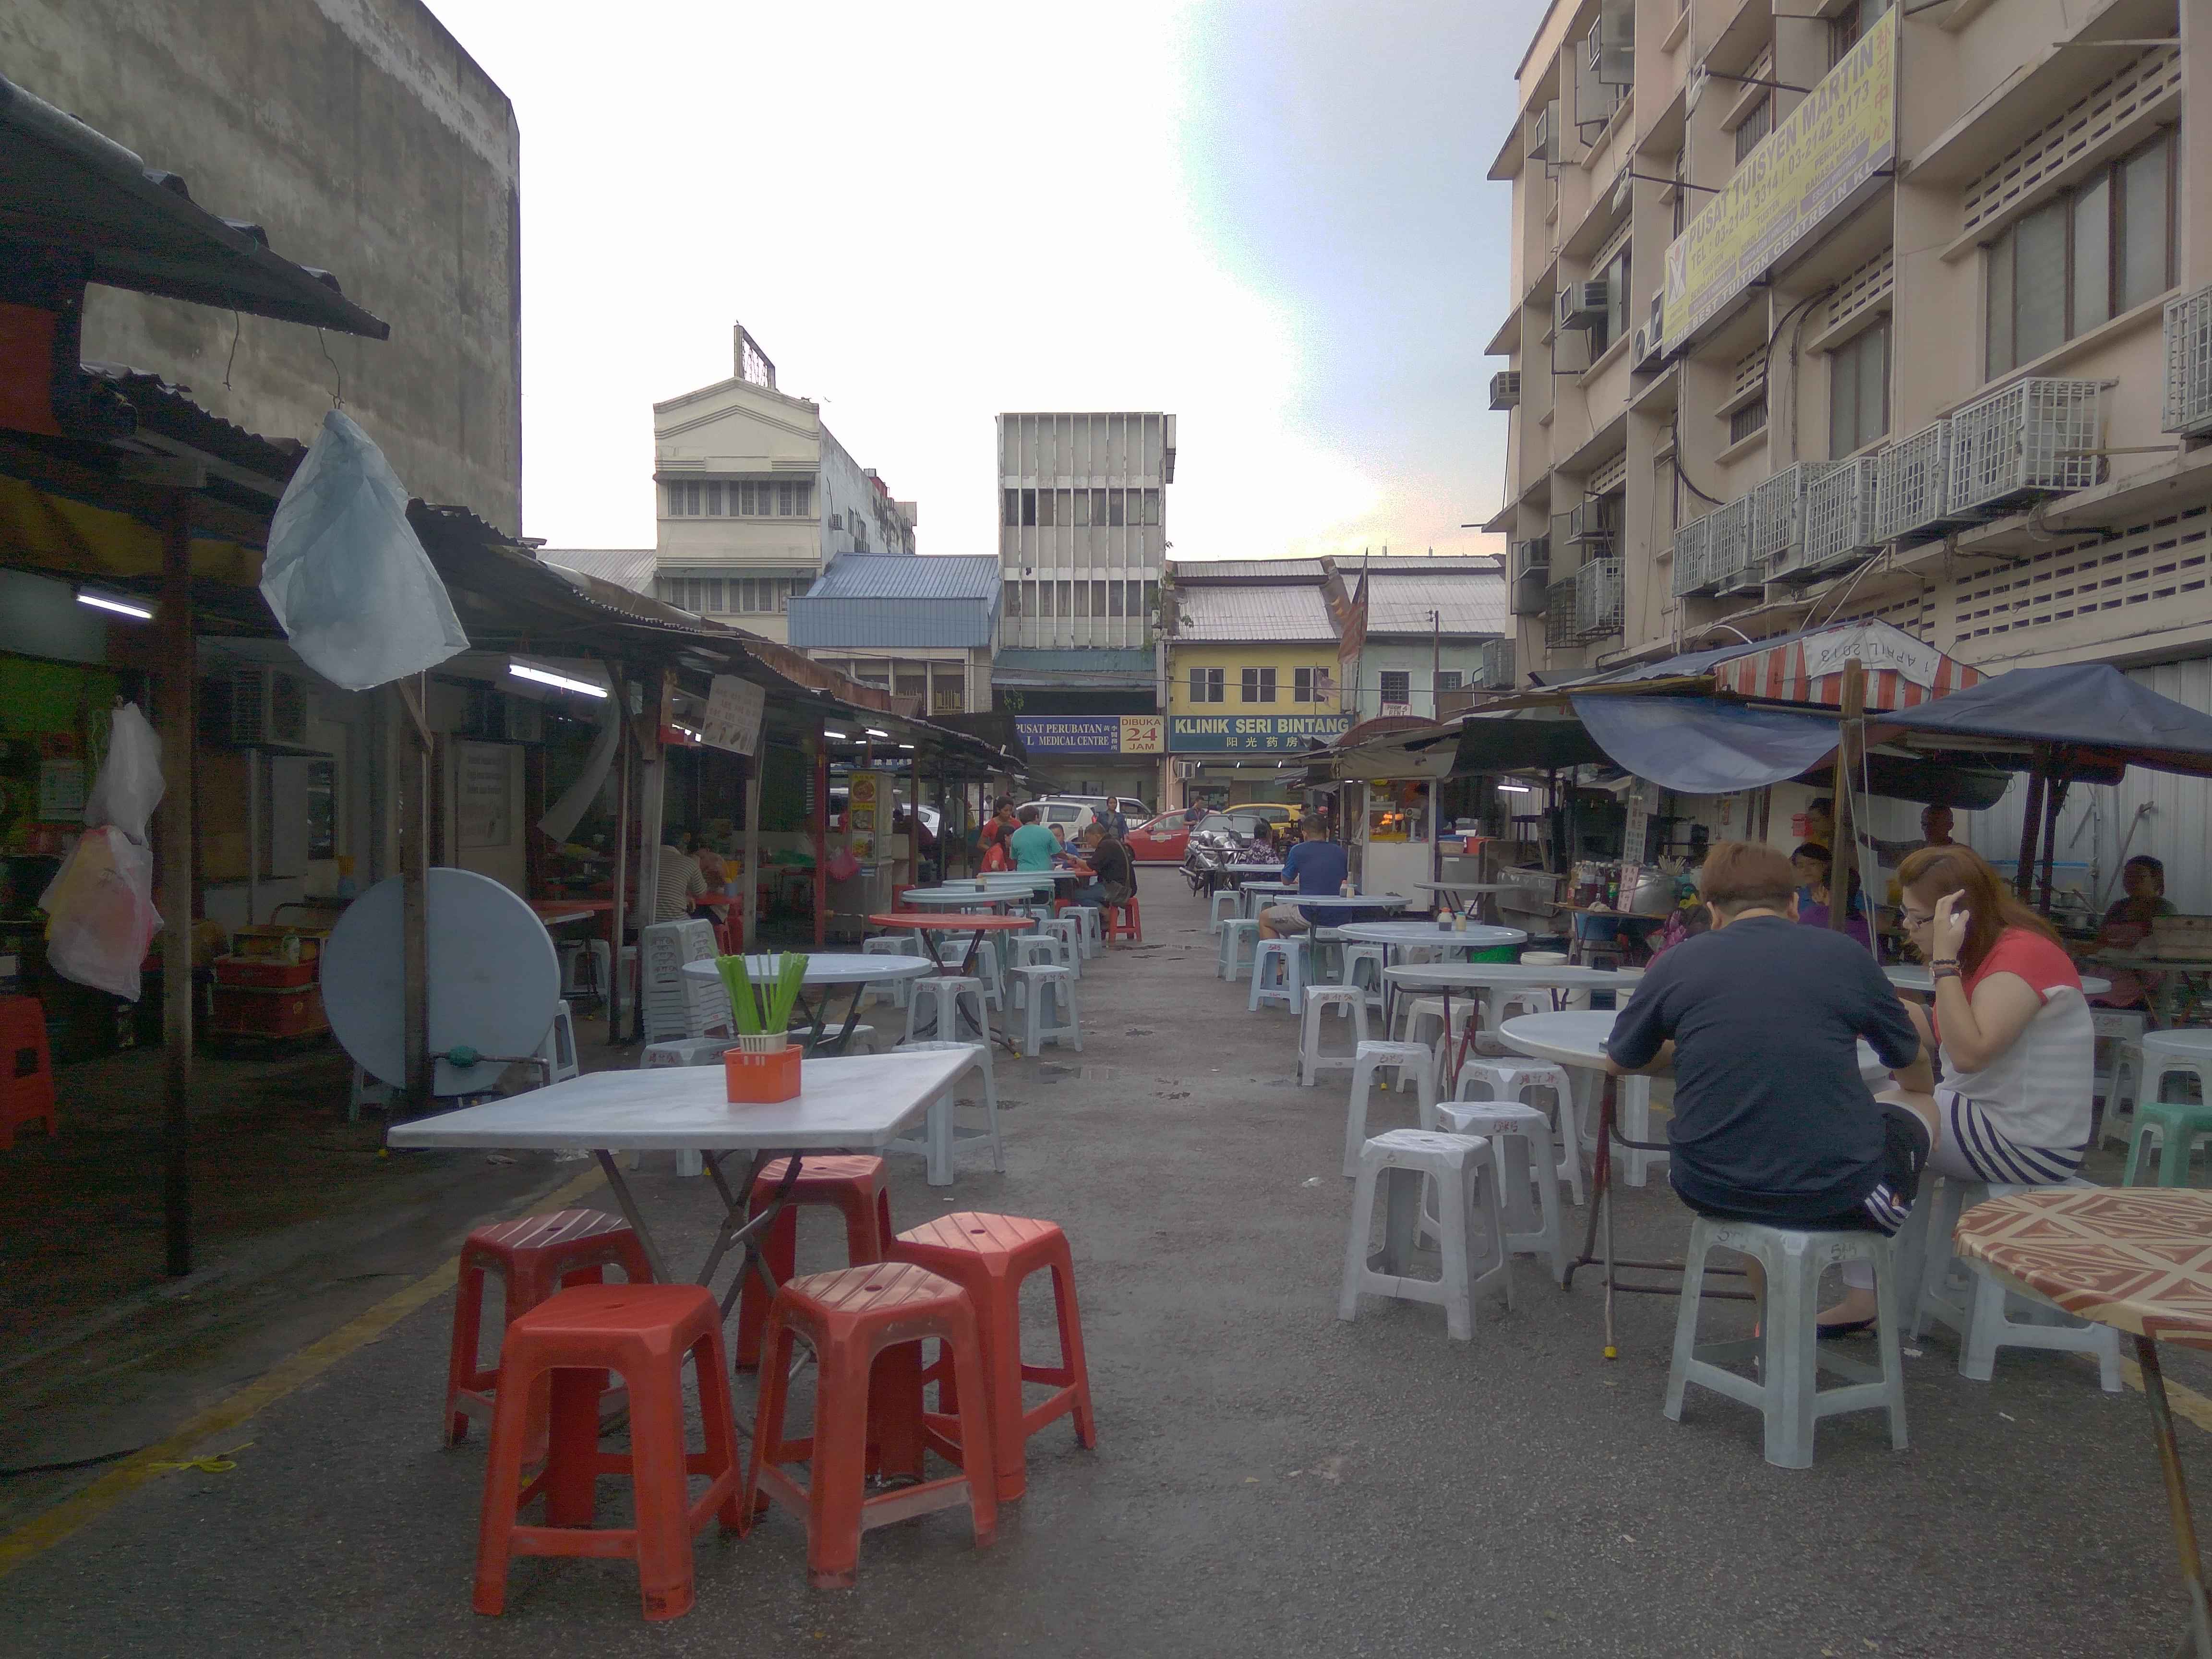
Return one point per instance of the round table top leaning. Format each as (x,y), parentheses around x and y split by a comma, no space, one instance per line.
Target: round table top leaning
(953,898)
(923,921)
(1577,1036)
(1255,869)
(2191,1041)
(2137,1258)
(1912,976)
(823,968)
(1454,976)
(1473,936)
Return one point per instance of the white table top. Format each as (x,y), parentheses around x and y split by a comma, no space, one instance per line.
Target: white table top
(1453,976)
(2194,1040)
(1463,886)
(848,1101)
(1356,901)
(823,968)
(958,898)
(1255,869)
(1912,976)
(1577,1038)
(1474,936)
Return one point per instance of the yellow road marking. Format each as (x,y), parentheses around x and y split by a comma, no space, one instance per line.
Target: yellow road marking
(42,1532)
(2183,1400)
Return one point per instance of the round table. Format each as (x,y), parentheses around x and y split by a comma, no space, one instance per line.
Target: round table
(1912,976)
(1253,869)
(1447,891)
(2138,1259)
(1251,893)
(1399,934)
(1497,978)
(964,898)
(824,968)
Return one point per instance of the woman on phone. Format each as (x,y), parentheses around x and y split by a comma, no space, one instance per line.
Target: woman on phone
(2013,1030)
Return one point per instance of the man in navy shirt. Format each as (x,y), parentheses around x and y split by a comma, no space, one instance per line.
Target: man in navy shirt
(1316,866)
(1771,1120)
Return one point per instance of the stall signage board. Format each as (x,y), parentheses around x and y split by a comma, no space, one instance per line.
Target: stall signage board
(1283,733)
(1877,649)
(862,805)
(1639,823)
(1809,168)
(1141,734)
(732,721)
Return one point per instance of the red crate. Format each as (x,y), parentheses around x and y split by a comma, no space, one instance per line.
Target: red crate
(250,1012)
(264,974)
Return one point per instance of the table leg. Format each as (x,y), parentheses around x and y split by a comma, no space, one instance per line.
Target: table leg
(2198,1641)
(627,1203)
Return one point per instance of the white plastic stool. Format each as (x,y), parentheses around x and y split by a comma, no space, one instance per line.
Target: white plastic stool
(558,1050)
(586,968)
(898,991)
(1471,1240)
(1290,955)
(1240,943)
(367,1091)
(941,1137)
(1040,986)
(1035,947)
(1221,904)
(1094,930)
(1349,1001)
(687,1051)
(1791,1355)
(1512,1079)
(1366,1060)
(1348,970)
(1521,1141)
(1068,930)
(946,995)
(1415,1014)
(1962,1294)
(1501,1005)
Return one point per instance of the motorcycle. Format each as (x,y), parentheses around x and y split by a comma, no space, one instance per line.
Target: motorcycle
(1207,859)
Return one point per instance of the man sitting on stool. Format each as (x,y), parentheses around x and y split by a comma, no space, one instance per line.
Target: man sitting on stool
(1113,876)
(1318,866)
(1761,1020)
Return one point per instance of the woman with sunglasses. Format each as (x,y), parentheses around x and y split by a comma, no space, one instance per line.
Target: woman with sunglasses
(2012,1029)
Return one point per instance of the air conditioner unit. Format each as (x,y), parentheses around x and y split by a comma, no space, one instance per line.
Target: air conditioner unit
(1839,516)
(1532,570)
(1505,389)
(267,708)
(1597,599)
(1692,569)
(1533,554)
(1586,526)
(1728,563)
(1584,305)
(1645,353)
(1911,490)
(2189,364)
(1777,518)
(1694,88)
(1561,632)
(1497,664)
(1658,323)
(1544,135)
(2036,437)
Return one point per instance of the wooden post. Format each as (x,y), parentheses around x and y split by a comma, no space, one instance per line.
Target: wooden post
(180,673)
(1845,852)
(2054,803)
(652,788)
(414,891)
(619,919)
(2031,823)
(821,827)
(750,900)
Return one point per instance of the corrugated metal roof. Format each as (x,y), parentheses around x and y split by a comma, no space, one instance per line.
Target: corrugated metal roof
(1468,603)
(909,576)
(1221,616)
(1121,668)
(625,566)
(1225,571)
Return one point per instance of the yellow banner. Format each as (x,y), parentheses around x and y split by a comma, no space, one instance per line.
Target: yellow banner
(1842,135)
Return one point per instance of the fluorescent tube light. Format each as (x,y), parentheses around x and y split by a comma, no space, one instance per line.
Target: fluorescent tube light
(872,732)
(1512,788)
(109,602)
(839,736)
(524,670)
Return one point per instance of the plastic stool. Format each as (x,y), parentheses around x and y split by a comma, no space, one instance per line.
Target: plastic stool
(1792,1357)
(1240,947)
(1094,929)
(941,1137)
(2177,1128)
(945,993)
(686,1051)
(26,1069)
(850,1182)
(533,1257)
(1511,1080)
(1348,1000)
(1962,1294)
(586,968)
(365,1090)
(642,1332)
(1033,988)
(2119,1032)
(1220,905)
(1124,920)
(558,1051)
(1068,930)
(1348,969)
(990,1257)
(1527,1176)
(1403,1162)
(1034,948)
(1291,954)
(865,1325)
(900,992)
(1366,1059)
(1415,1014)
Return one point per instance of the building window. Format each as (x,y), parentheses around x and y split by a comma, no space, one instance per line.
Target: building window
(714,500)
(1045,518)
(1029,509)
(1858,391)
(1082,600)
(1113,508)
(1013,600)
(792,501)
(1615,278)
(1448,679)
(1067,601)
(2104,247)
(1151,507)
(1310,685)
(1258,685)
(1044,605)
(1397,688)
(1205,684)
(1849,27)
(1751,418)
(1098,601)
(947,699)
(1757,123)
(1013,513)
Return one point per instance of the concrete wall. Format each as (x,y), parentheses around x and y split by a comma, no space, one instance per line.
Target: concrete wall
(1418,660)
(366,142)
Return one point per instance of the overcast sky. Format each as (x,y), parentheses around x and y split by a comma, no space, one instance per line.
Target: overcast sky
(1269,219)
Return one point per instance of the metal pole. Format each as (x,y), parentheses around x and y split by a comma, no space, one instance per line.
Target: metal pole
(2054,802)
(1845,852)
(2177,1500)
(413,896)
(821,827)
(749,902)
(179,683)
(2031,822)
(625,745)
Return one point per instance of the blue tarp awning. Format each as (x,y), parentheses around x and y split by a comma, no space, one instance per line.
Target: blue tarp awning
(1697,746)
(2091,709)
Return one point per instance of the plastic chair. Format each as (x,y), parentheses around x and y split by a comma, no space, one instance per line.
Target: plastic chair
(1240,947)
(558,1051)
(1400,1165)
(1220,906)
(1496,1079)
(26,1069)
(899,991)
(1124,920)
(1289,954)
(1040,987)
(853,1184)
(2177,1128)
(1520,1140)
(1367,1059)
(941,1136)
(2119,1044)
(1356,956)
(947,996)
(1349,1001)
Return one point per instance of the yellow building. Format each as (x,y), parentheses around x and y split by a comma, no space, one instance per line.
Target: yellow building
(1253,677)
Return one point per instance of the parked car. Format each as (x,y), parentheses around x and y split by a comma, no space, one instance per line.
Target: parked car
(1164,840)
(1275,811)
(1074,813)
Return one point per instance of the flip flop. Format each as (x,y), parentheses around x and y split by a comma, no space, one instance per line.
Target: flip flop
(1847,1327)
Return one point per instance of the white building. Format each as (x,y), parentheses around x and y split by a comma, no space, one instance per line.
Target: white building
(1083,528)
(756,495)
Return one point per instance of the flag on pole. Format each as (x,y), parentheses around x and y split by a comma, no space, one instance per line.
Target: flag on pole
(1352,638)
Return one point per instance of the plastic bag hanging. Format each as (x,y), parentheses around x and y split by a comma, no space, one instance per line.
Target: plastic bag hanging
(349,580)
(100,906)
(130,784)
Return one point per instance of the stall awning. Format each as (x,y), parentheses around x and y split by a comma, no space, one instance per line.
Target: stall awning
(1901,671)
(2105,719)
(1696,746)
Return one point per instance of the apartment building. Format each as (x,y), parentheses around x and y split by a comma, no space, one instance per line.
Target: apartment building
(1826,311)
(756,496)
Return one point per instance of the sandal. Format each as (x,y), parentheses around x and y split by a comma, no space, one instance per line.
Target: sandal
(1847,1328)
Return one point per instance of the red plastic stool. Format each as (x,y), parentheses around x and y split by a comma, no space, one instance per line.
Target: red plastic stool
(853,1183)
(865,1325)
(643,1332)
(534,1256)
(1125,921)
(27,1070)
(988,1256)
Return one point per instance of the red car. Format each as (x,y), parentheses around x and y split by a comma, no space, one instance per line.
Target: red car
(1162,839)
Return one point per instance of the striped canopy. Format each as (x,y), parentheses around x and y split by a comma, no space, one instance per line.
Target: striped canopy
(1901,671)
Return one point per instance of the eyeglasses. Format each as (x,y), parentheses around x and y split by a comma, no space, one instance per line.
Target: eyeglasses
(1912,918)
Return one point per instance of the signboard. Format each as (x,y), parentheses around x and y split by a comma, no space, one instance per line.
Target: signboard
(1282,734)
(481,805)
(733,715)
(1088,734)
(1632,849)
(1877,646)
(862,804)
(1842,134)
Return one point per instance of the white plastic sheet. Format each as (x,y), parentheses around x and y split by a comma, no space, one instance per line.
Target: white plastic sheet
(100,906)
(129,787)
(348,581)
